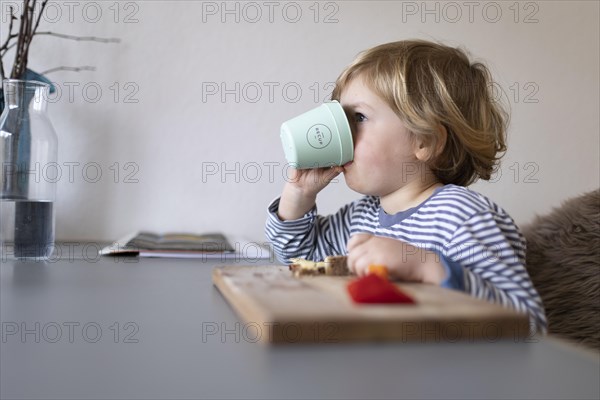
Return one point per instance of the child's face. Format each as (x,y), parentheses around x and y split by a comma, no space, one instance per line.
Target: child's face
(384,155)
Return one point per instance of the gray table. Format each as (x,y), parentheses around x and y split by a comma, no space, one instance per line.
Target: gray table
(157,328)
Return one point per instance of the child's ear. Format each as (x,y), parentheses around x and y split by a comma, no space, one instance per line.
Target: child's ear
(426,149)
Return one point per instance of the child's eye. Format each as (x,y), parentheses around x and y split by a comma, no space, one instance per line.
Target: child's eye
(358,117)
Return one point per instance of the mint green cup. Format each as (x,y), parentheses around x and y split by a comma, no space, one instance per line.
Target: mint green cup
(318,138)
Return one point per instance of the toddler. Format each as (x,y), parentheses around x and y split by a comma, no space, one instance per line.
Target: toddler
(425,127)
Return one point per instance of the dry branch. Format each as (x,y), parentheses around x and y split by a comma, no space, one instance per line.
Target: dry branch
(29,23)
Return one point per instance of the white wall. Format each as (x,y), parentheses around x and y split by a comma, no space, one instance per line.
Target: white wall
(545,56)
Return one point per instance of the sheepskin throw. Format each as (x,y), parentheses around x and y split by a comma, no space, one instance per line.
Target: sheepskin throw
(563,260)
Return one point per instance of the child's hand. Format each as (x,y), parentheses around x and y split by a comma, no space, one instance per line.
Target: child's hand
(300,191)
(404,261)
(312,181)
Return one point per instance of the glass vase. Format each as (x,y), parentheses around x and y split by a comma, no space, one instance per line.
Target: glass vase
(28,155)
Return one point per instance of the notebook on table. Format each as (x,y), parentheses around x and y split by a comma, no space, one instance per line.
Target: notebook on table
(186,245)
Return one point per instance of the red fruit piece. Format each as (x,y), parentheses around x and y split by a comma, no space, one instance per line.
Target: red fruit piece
(373,289)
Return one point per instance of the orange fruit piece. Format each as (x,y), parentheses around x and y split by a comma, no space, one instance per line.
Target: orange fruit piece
(379,270)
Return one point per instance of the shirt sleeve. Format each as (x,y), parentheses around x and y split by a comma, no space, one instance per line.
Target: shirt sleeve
(491,250)
(312,237)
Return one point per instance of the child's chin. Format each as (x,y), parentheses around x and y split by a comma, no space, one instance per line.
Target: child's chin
(349,181)
(358,188)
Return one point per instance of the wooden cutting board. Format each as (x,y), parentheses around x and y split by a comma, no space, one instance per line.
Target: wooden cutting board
(278,308)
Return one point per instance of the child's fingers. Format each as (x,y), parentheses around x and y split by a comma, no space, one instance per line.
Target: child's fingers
(357,252)
(361,265)
(331,173)
(319,177)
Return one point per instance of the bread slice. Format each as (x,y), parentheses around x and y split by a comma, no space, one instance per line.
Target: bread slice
(332,265)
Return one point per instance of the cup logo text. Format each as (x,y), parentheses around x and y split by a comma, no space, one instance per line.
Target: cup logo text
(318,136)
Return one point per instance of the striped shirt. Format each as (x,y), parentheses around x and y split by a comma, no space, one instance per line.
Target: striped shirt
(479,244)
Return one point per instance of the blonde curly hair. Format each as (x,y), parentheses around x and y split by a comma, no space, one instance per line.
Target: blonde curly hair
(431,86)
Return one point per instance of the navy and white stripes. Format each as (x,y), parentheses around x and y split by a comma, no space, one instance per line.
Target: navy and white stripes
(464,227)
